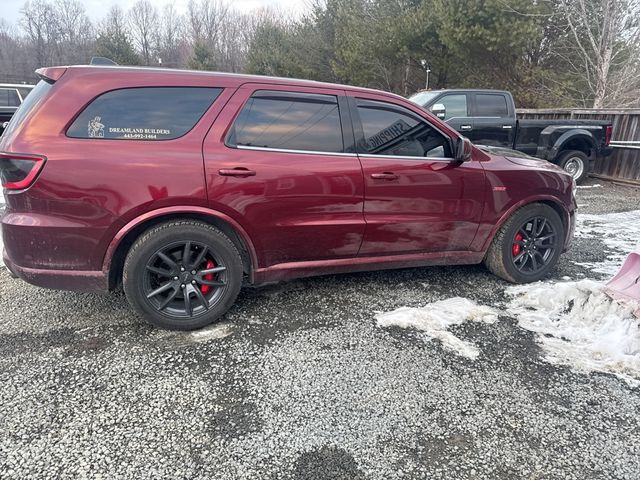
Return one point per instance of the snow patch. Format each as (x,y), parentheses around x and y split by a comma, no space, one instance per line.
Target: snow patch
(597,185)
(620,233)
(213,332)
(580,326)
(435,318)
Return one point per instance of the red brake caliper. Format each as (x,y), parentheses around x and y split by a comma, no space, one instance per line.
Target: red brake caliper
(209,276)
(515,248)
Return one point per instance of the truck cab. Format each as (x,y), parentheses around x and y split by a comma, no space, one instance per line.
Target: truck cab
(488,118)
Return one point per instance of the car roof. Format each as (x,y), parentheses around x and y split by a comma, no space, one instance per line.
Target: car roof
(462,90)
(230,79)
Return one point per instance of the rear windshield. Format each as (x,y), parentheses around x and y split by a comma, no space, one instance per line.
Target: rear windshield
(34,99)
(147,113)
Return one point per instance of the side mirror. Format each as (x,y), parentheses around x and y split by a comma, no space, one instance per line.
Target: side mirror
(439,110)
(464,148)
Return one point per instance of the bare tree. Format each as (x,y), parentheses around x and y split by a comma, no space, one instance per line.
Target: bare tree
(171,40)
(206,18)
(115,23)
(40,22)
(75,32)
(605,35)
(15,66)
(114,39)
(144,25)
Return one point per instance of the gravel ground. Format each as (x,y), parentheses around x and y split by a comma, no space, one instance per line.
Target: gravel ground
(297,382)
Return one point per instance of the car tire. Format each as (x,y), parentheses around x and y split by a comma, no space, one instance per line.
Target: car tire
(521,244)
(576,163)
(182,275)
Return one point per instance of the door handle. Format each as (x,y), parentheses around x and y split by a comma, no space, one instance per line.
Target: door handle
(384,176)
(236,172)
(465,127)
(507,127)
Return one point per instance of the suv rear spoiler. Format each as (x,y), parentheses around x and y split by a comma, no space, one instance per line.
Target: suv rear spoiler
(51,74)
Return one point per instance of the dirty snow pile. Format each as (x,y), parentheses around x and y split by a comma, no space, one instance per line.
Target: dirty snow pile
(435,318)
(576,323)
(620,233)
(579,325)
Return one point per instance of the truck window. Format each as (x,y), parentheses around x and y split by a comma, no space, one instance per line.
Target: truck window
(9,97)
(455,105)
(491,105)
(392,130)
(289,121)
(147,113)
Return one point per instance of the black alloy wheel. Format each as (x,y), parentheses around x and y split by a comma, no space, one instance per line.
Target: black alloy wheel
(183,274)
(184,279)
(528,244)
(534,245)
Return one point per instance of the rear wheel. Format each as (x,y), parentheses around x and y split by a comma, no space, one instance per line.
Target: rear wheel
(575,163)
(182,275)
(528,245)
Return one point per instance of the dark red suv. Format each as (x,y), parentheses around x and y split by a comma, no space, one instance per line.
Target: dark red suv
(182,186)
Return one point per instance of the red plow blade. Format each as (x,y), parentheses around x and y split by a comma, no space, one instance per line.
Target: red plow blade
(625,286)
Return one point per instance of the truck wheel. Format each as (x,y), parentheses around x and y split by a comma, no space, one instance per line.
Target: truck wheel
(182,275)
(576,163)
(528,244)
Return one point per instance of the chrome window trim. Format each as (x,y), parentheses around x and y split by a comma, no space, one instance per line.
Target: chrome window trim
(285,150)
(405,157)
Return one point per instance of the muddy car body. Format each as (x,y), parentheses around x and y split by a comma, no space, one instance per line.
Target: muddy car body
(183,186)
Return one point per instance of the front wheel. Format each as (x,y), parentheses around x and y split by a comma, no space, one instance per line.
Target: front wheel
(528,245)
(182,275)
(575,163)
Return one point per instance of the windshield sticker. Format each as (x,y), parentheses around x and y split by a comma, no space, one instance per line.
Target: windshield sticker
(96,128)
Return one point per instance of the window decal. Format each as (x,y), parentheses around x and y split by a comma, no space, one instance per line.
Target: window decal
(96,129)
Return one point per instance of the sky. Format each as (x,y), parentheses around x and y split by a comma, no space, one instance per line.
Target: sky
(96,9)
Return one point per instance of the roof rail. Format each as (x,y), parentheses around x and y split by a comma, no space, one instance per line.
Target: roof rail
(101,61)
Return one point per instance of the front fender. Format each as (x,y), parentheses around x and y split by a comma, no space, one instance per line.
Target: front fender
(482,243)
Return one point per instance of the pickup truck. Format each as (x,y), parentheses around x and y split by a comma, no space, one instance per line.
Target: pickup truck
(488,117)
(11,97)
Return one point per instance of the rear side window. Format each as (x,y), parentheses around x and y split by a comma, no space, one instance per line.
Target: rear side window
(9,97)
(392,130)
(148,113)
(289,121)
(491,105)
(30,103)
(455,105)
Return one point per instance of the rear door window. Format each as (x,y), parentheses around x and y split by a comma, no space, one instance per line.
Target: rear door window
(491,105)
(148,113)
(289,121)
(455,105)
(392,130)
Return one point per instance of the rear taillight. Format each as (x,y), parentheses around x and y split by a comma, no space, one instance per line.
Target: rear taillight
(607,135)
(18,171)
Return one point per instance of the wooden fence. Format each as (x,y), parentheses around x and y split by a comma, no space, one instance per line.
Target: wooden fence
(624,163)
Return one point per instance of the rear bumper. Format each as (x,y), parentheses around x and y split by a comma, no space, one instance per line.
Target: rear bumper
(76,280)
